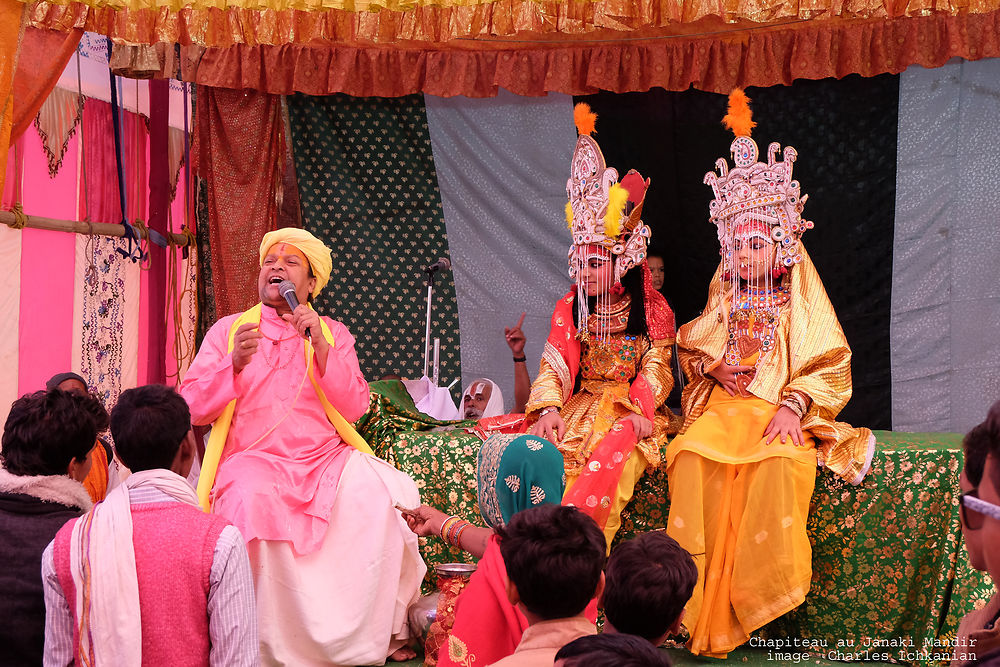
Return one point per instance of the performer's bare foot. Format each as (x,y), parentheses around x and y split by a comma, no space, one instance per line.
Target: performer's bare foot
(402,654)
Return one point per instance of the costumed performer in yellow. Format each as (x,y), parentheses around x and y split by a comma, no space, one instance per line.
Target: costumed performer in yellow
(605,372)
(335,566)
(769,369)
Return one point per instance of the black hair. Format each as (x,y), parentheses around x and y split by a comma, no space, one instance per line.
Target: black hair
(554,555)
(977,445)
(987,436)
(648,580)
(633,284)
(47,430)
(149,423)
(611,649)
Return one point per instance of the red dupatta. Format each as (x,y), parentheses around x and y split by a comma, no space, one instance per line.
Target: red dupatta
(487,626)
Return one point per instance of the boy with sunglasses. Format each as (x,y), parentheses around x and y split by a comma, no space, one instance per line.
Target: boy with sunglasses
(978,640)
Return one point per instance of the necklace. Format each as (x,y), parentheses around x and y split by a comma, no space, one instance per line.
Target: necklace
(753,322)
(276,363)
(610,319)
(275,341)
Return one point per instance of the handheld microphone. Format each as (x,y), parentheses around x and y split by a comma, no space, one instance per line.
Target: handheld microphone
(286,288)
(442,264)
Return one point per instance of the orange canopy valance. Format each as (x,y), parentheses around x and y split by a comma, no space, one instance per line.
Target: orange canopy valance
(214,23)
(718,58)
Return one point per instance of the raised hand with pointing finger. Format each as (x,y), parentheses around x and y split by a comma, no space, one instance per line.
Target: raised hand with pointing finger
(522,383)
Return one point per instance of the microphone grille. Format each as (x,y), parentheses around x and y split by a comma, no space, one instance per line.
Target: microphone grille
(446,263)
(286,286)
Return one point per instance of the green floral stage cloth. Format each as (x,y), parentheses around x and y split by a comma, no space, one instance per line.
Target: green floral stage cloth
(890,572)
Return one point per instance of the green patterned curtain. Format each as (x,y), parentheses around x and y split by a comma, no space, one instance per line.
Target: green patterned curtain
(369,190)
(207,314)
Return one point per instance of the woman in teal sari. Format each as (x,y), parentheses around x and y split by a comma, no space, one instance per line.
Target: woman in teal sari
(514,472)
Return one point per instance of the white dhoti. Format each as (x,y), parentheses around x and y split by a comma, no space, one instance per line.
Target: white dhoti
(346,603)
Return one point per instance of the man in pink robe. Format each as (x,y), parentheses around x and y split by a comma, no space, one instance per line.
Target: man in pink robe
(335,567)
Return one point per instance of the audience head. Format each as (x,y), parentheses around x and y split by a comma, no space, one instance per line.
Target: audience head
(68,382)
(482,399)
(554,555)
(656,270)
(610,650)
(976,445)
(649,579)
(52,433)
(151,426)
(514,473)
(981,478)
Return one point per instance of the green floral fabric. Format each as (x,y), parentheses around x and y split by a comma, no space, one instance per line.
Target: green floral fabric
(888,558)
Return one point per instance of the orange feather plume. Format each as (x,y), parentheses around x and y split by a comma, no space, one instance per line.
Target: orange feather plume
(738,118)
(584,118)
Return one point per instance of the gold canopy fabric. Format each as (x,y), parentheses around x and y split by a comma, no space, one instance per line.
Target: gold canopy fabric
(536,24)
(710,54)
(816,361)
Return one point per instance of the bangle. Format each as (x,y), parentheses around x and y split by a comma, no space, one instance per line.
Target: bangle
(454,531)
(457,539)
(547,410)
(446,526)
(518,360)
(794,403)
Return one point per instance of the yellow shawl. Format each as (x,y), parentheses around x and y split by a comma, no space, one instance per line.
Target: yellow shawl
(815,360)
(220,427)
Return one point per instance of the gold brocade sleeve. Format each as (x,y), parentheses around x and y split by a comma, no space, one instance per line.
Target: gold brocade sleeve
(546,390)
(654,365)
(700,344)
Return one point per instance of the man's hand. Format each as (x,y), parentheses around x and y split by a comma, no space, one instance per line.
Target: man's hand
(643,427)
(725,375)
(303,318)
(245,343)
(785,423)
(550,426)
(515,337)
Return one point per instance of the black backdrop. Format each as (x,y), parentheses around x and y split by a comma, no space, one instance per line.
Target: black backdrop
(845,134)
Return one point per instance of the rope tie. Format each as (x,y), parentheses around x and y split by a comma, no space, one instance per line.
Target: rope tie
(20,219)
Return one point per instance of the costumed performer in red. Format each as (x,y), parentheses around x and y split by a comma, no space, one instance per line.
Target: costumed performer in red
(605,372)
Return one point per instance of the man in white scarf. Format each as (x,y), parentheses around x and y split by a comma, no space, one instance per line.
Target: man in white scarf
(482,399)
(146,570)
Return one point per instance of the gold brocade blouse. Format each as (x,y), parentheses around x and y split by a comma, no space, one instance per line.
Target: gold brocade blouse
(607,369)
(810,357)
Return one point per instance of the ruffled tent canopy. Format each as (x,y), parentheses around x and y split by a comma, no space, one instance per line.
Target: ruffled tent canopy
(472,48)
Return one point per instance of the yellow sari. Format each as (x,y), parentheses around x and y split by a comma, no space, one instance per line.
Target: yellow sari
(738,504)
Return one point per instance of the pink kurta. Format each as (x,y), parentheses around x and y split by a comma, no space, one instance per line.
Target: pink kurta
(279,483)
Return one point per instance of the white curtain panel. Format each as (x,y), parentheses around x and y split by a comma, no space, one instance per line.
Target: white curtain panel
(106,317)
(502,165)
(945,328)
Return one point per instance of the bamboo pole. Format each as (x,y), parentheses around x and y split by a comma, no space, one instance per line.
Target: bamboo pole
(76,227)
